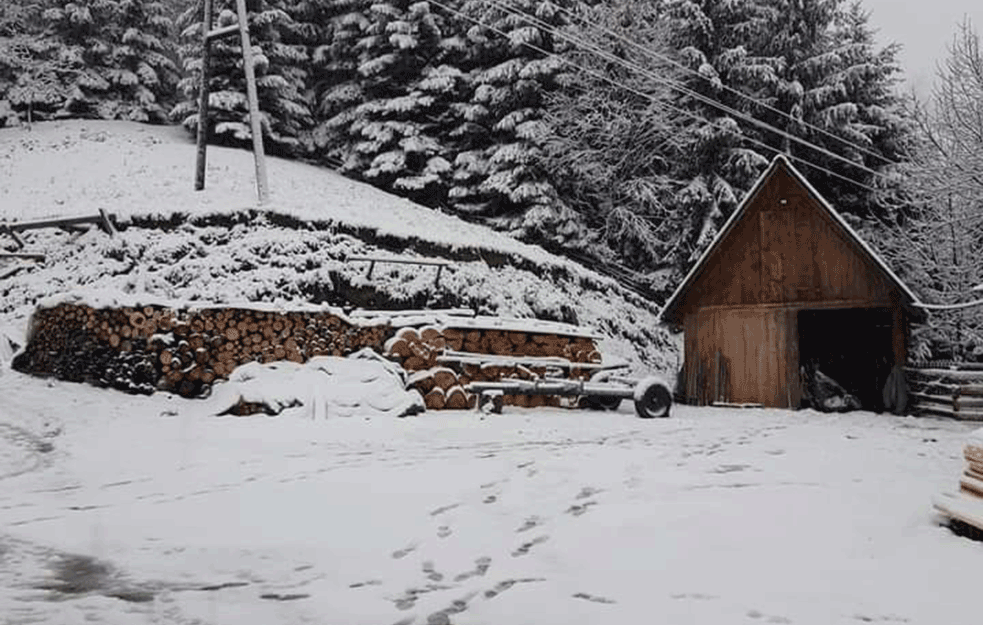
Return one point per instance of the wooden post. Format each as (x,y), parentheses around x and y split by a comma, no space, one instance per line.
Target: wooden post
(203,93)
(253,97)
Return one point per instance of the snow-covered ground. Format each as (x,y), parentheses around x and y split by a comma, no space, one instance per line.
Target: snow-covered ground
(119,509)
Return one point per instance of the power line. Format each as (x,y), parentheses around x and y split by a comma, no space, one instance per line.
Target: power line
(741,94)
(579,43)
(641,94)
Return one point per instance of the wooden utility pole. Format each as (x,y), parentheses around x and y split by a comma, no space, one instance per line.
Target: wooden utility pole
(256,129)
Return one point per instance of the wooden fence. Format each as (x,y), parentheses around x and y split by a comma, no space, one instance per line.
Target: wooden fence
(947,389)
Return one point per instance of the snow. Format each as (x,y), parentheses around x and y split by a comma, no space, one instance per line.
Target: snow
(135,510)
(532,516)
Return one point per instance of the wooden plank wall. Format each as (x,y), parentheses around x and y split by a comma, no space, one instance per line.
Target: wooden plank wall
(759,347)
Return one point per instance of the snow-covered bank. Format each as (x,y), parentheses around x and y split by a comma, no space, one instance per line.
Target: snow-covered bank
(214,246)
(539,516)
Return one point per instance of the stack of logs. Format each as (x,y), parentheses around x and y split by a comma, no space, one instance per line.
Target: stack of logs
(149,348)
(153,348)
(441,381)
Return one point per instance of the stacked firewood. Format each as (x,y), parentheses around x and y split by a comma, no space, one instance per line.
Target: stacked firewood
(442,380)
(142,349)
(147,348)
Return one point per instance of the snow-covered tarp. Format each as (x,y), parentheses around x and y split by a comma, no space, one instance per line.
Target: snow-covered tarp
(363,384)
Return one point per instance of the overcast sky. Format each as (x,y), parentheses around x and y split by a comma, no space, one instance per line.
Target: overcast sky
(924,28)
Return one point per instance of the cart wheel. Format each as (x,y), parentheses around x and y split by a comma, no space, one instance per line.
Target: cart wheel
(596,402)
(652,398)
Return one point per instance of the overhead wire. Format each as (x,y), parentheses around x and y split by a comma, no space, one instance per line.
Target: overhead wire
(785,114)
(581,44)
(644,95)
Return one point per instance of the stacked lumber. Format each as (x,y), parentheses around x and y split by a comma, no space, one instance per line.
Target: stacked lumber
(142,349)
(965,507)
(442,383)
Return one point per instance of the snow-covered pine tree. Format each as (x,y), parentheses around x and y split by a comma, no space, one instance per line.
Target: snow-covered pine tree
(111,58)
(720,41)
(615,140)
(280,49)
(32,83)
(834,78)
(386,95)
(815,63)
(500,131)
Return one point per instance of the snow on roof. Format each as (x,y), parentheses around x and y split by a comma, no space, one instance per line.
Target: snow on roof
(778,161)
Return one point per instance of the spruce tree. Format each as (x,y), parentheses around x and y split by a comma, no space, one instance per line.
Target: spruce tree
(280,56)
(809,69)
(390,99)
(117,51)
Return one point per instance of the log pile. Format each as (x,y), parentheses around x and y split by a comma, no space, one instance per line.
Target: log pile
(143,349)
(442,381)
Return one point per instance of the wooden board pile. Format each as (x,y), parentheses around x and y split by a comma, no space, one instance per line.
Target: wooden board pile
(966,505)
(441,379)
(143,349)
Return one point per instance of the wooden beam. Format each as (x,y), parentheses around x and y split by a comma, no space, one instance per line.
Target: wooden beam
(259,156)
(405,261)
(221,33)
(22,256)
(202,136)
(58,222)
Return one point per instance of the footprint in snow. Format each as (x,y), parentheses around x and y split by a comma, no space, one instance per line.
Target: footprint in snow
(443,509)
(444,531)
(593,598)
(770,619)
(587,491)
(578,509)
(531,522)
(371,582)
(481,566)
(405,551)
(504,585)
(525,547)
(431,572)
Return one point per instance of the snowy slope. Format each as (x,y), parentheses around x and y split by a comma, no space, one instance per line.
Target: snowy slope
(215,246)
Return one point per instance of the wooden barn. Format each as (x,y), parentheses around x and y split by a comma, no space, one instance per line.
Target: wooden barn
(786,283)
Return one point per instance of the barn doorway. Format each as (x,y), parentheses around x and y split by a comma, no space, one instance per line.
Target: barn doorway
(852,346)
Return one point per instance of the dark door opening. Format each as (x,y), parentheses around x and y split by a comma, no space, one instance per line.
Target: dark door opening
(852,346)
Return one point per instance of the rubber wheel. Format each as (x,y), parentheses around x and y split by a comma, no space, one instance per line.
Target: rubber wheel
(653,399)
(595,402)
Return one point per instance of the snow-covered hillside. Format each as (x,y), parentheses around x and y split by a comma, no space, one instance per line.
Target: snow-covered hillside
(216,246)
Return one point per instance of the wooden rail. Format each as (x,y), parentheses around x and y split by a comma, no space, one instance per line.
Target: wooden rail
(103,220)
(372,260)
(954,391)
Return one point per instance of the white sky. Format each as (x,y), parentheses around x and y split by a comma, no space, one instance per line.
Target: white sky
(924,28)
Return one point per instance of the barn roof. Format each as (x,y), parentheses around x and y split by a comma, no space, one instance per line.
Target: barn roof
(780,161)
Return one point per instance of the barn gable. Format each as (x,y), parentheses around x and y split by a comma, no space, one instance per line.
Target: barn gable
(785,244)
